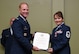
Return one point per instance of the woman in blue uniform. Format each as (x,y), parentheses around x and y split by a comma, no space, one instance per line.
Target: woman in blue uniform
(60,36)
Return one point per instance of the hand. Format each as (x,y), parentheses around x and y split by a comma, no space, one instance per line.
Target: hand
(32,35)
(35,48)
(50,50)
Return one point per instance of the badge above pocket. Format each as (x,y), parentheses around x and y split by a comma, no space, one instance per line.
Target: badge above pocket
(25,34)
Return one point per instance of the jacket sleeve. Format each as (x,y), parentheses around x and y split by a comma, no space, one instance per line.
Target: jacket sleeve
(19,35)
(3,39)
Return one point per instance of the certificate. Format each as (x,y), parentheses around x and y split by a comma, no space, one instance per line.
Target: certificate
(41,40)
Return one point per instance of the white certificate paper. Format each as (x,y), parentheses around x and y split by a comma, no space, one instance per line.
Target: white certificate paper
(41,40)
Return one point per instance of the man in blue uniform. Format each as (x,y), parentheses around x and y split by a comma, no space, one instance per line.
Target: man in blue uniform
(6,39)
(60,36)
(21,31)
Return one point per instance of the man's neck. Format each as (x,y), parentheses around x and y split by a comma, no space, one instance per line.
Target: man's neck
(23,18)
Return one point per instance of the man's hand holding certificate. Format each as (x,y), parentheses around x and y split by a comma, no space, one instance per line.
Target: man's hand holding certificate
(41,40)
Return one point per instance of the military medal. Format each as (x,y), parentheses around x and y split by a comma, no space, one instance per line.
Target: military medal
(58,32)
(25,28)
(55,34)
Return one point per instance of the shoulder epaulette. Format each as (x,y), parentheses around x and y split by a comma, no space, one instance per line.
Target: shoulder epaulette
(17,18)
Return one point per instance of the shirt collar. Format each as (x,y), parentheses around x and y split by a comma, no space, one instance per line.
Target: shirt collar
(22,17)
(59,26)
(11,31)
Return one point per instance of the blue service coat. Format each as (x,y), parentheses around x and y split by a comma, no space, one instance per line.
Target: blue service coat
(60,39)
(6,40)
(22,37)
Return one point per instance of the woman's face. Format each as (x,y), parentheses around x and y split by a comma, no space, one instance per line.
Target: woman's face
(58,20)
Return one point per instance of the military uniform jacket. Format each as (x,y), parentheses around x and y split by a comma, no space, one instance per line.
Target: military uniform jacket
(22,37)
(60,39)
(6,40)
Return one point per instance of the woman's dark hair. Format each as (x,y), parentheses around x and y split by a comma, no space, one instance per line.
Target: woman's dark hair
(59,13)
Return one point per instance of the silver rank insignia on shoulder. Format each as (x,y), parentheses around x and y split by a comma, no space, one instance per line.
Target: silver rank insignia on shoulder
(25,34)
(68,34)
(17,18)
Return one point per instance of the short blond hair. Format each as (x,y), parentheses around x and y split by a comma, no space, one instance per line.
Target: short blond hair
(23,3)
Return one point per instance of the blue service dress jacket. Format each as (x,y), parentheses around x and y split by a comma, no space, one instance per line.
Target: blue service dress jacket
(60,39)
(22,37)
(6,40)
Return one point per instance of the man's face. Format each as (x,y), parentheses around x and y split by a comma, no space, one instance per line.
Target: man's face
(24,10)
